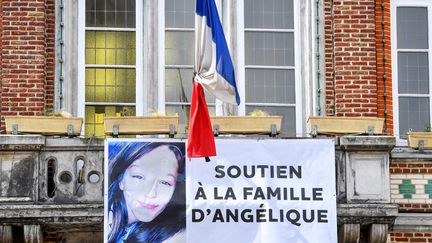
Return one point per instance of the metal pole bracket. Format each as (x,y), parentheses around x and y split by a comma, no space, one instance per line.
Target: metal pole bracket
(70,130)
(371,130)
(171,130)
(421,146)
(273,130)
(216,130)
(116,129)
(15,129)
(314,131)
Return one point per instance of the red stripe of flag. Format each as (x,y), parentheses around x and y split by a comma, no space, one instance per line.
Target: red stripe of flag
(201,141)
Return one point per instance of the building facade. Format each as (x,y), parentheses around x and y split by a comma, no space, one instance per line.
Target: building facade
(295,58)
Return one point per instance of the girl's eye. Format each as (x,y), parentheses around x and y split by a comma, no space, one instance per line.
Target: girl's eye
(138,177)
(166,183)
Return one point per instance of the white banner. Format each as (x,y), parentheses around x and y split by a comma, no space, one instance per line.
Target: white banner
(263,191)
(253,191)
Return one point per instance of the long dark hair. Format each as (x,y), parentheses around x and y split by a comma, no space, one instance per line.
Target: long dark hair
(172,219)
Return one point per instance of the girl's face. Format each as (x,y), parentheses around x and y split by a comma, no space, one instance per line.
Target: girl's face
(148,184)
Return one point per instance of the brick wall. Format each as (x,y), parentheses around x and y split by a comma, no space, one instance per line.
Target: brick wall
(328,58)
(383,57)
(351,55)
(27,57)
(411,186)
(410,237)
(49,53)
(1,69)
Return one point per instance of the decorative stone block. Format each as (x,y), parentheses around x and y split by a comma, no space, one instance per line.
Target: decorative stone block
(368,177)
(74,175)
(18,172)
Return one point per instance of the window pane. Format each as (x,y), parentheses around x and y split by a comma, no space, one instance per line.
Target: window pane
(179,47)
(179,50)
(110,48)
(110,85)
(110,13)
(288,120)
(179,13)
(271,49)
(412,28)
(270,86)
(94,116)
(413,114)
(270,14)
(413,73)
(178,86)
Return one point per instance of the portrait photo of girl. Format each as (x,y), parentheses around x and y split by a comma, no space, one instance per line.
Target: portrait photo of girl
(145,191)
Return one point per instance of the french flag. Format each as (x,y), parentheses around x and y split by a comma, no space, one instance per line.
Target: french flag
(214,71)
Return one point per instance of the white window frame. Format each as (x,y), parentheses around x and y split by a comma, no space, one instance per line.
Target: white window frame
(297,62)
(394,50)
(139,33)
(161,58)
(238,51)
(239,65)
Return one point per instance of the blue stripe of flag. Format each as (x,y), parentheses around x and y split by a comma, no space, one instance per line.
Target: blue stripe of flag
(224,65)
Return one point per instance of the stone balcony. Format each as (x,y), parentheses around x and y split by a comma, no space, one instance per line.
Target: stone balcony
(56,184)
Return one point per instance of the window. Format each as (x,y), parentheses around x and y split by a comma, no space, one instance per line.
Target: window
(411,62)
(269,41)
(110,62)
(179,58)
(122,73)
(270,77)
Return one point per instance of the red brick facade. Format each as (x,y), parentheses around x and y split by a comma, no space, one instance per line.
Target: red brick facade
(27,57)
(354,59)
(356,88)
(411,167)
(410,237)
(351,58)
(383,59)
(49,53)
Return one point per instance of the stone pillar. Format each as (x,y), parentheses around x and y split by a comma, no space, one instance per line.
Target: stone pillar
(364,208)
(349,233)
(33,234)
(378,233)
(6,234)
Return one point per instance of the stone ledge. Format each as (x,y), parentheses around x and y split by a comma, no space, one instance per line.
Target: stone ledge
(402,154)
(48,211)
(367,213)
(413,222)
(76,143)
(21,142)
(71,217)
(368,143)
